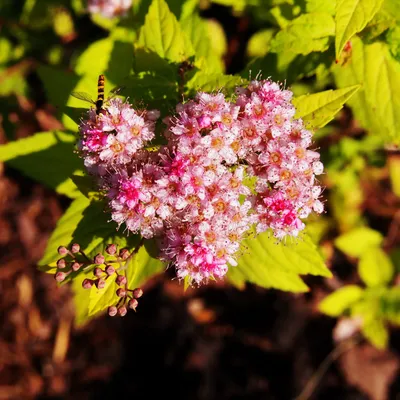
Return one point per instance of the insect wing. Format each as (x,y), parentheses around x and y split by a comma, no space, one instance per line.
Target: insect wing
(83,96)
(114,92)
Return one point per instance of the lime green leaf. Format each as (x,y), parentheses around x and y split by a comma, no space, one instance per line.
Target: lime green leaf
(58,84)
(101,299)
(205,82)
(339,301)
(376,105)
(392,7)
(270,264)
(391,305)
(100,56)
(375,267)
(86,185)
(305,34)
(138,269)
(393,40)
(198,30)
(39,156)
(95,58)
(141,267)
(319,108)
(62,234)
(356,242)
(85,223)
(376,332)
(259,43)
(63,24)
(321,6)
(162,34)
(352,16)
(382,21)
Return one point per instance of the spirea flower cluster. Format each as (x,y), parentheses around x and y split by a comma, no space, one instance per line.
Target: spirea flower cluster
(109,8)
(227,166)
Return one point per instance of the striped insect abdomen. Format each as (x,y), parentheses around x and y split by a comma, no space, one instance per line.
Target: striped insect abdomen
(100,93)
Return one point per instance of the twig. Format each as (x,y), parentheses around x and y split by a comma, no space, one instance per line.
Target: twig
(330,358)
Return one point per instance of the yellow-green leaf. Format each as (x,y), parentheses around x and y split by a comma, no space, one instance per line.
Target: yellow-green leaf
(305,34)
(39,156)
(269,263)
(376,332)
(352,16)
(357,241)
(375,267)
(339,301)
(163,34)
(319,108)
(376,105)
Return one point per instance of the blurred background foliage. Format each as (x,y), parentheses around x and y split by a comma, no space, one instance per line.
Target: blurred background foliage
(49,48)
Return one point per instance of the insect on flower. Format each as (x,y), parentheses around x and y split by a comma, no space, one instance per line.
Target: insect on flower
(100,95)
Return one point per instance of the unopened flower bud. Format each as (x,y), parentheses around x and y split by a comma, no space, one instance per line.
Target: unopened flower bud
(121,292)
(99,259)
(137,293)
(87,283)
(112,311)
(124,254)
(122,311)
(75,248)
(110,270)
(121,280)
(60,276)
(76,266)
(132,304)
(100,283)
(61,263)
(62,251)
(98,272)
(111,249)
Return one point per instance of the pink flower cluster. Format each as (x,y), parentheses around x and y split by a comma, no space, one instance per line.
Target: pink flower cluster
(109,8)
(227,166)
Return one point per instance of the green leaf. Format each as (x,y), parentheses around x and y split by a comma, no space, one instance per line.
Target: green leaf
(87,185)
(259,44)
(199,32)
(162,34)
(63,233)
(85,223)
(376,105)
(47,157)
(321,6)
(375,267)
(356,242)
(319,108)
(138,270)
(58,84)
(341,300)
(382,21)
(393,40)
(376,332)
(141,267)
(205,82)
(305,34)
(100,56)
(273,264)
(391,305)
(352,16)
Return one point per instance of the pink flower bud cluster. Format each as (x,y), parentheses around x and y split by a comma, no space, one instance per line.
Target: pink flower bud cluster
(227,166)
(109,8)
(104,267)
